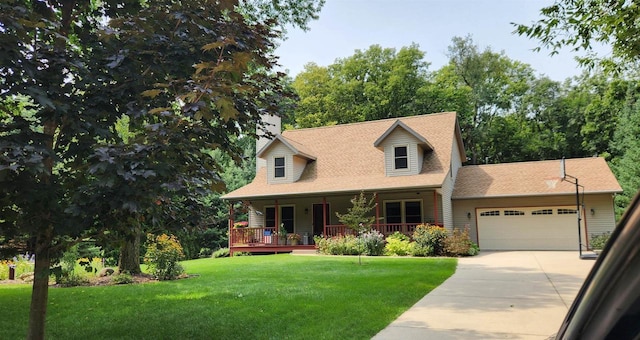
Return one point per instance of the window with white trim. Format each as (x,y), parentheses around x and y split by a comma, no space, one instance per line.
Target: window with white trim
(278,167)
(513,213)
(403,211)
(400,157)
(490,213)
(566,211)
(286,216)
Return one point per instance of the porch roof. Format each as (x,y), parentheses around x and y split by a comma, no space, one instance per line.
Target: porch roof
(348,161)
(534,179)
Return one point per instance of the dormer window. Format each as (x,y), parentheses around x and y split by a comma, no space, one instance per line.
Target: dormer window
(278,167)
(400,157)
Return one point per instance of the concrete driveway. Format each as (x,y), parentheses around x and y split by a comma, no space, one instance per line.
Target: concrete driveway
(497,295)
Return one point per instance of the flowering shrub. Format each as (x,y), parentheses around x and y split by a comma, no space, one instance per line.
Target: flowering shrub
(163,254)
(430,240)
(459,243)
(372,243)
(241,224)
(338,245)
(293,237)
(398,244)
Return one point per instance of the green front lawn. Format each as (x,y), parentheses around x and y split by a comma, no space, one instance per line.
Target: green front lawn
(252,297)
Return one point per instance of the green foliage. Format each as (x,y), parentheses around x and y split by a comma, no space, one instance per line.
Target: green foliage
(430,239)
(372,243)
(339,245)
(398,244)
(494,84)
(122,279)
(222,252)
(598,241)
(21,263)
(459,243)
(579,25)
(200,242)
(373,84)
(163,254)
(358,217)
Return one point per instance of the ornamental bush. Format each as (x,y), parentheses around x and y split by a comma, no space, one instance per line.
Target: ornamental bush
(398,244)
(338,245)
(459,243)
(163,254)
(430,239)
(372,243)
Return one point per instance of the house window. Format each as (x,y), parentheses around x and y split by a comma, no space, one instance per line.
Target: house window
(490,213)
(403,212)
(513,213)
(270,217)
(542,212)
(286,216)
(412,212)
(400,157)
(278,167)
(393,212)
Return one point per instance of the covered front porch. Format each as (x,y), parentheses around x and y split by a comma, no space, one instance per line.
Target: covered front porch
(304,217)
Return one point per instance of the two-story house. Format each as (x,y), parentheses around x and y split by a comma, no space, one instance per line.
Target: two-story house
(413,166)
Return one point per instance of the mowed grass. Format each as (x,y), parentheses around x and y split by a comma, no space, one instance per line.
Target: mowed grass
(251,297)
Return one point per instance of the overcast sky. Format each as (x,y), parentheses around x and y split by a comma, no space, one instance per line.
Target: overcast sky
(347,25)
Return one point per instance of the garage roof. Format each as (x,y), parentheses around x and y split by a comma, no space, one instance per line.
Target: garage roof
(534,179)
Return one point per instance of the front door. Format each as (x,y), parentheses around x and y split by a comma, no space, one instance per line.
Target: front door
(318,220)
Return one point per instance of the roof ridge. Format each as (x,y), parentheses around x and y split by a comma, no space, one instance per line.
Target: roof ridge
(540,161)
(371,121)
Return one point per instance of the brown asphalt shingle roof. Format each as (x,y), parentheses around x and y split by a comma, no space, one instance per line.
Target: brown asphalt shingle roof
(348,161)
(534,179)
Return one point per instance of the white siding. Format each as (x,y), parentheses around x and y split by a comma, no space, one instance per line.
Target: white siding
(447,210)
(294,166)
(298,167)
(400,137)
(603,218)
(456,162)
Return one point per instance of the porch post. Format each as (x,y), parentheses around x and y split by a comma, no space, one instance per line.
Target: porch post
(324,216)
(435,206)
(276,222)
(377,211)
(231,223)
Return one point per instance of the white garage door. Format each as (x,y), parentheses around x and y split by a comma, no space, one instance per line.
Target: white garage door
(538,228)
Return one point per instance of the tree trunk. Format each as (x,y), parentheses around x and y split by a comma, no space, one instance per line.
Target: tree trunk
(129,260)
(40,290)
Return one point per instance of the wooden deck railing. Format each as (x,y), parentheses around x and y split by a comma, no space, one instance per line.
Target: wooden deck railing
(258,235)
(261,236)
(386,229)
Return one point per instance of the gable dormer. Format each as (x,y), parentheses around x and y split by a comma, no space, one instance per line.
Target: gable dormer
(403,150)
(286,160)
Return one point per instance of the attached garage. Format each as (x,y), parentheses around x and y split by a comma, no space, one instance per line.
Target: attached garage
(529,228)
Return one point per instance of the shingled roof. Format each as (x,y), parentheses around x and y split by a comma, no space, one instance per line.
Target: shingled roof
(534,179)
(346,159)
